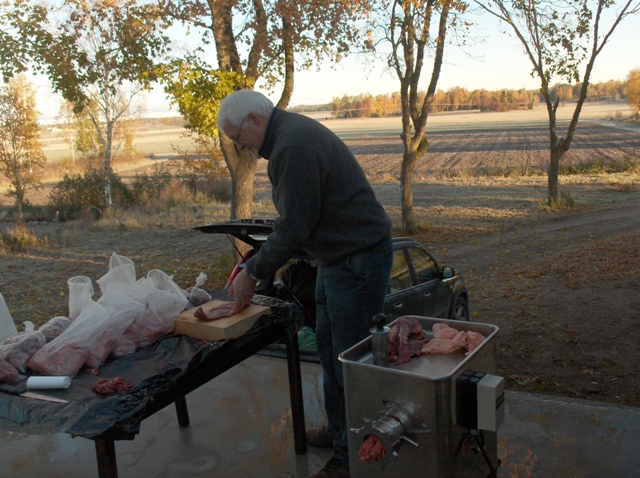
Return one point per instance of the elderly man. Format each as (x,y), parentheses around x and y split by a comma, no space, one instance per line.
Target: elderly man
(326,207)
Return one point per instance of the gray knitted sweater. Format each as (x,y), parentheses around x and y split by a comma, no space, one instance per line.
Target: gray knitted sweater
(324,201)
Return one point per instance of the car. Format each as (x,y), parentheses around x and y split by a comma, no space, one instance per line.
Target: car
(418,284)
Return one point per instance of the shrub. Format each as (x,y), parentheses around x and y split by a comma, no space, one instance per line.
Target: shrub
(78,194)
(146,187)
(20,238)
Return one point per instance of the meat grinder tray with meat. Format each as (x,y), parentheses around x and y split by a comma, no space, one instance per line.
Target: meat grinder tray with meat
(432,366)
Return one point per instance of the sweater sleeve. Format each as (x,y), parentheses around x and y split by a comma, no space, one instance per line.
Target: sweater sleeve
(297,175)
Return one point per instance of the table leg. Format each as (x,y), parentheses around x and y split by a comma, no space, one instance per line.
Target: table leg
(295,392)
(182,411)
(106,455)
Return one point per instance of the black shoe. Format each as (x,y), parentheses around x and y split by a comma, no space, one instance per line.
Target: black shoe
(319,438)
(333,469)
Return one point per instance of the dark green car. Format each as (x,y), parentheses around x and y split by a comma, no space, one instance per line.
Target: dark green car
(418,285)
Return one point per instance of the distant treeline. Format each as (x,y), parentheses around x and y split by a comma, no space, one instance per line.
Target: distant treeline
(458,99)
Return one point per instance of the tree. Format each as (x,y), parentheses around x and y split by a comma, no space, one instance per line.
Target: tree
(262,43)
(99,55)
(21,156)
(632,90)
(559,37)
(414,28)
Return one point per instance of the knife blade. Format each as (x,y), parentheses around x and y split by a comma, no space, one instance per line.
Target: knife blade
(22,392)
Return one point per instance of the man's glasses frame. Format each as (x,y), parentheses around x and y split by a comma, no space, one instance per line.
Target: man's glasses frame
(235,140)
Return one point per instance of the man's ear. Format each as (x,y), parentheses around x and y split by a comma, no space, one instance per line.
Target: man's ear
(254,118)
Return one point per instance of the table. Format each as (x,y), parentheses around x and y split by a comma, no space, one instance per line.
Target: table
(162,374)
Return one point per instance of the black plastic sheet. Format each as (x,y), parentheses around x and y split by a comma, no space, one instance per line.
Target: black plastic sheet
(151,370)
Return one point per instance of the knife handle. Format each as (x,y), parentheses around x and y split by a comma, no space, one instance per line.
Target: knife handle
(11,389)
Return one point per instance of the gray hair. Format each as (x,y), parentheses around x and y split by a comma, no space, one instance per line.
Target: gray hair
(235,107)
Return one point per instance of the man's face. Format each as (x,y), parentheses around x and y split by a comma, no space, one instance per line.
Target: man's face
(248,135)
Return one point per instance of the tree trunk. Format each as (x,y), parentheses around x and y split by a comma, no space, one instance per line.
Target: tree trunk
(409,160)
(552,178)
(242,169)
(242,186)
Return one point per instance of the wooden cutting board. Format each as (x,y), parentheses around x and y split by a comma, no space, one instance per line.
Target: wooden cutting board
(228,328)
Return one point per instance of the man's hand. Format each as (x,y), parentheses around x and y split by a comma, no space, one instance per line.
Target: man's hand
(242,289)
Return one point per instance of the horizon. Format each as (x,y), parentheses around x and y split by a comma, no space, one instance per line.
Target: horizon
(480,65)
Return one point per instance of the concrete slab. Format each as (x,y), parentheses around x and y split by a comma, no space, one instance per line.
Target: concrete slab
(241,427)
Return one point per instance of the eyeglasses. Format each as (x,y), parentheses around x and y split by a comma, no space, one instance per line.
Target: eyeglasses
(237,138)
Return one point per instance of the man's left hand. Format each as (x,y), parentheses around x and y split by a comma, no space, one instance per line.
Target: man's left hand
(242,289)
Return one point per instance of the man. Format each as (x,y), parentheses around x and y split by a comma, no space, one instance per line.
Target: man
(326,207)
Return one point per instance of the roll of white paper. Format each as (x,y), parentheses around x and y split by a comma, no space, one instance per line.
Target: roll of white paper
(34,383)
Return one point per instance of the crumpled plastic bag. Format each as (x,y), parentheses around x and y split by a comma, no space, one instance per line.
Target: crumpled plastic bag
(8,373)
(54,327)
(121,274)
(18,348)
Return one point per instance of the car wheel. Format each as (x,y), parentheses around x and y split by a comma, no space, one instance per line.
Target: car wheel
(460,309)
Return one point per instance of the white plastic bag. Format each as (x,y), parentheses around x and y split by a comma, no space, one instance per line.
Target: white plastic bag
(122,273)
(80,294)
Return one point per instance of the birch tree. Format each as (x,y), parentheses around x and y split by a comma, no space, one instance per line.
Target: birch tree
(98,52)
(417,33)
(21,157)
(562,39)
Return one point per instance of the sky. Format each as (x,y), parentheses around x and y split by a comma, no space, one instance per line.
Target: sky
(494,62)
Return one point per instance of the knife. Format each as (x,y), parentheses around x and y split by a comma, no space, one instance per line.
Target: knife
(22,392)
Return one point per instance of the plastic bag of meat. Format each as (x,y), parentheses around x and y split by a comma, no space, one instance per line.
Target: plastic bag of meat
(84,341)
(54,327)
(18,348)
(196,295)
(162,299)
(165,300)
(8,373)
(125,311)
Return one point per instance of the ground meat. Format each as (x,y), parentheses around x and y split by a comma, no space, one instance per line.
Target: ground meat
(61,360)
(218,312)
(406,338)
(54,327)
(106,386)
(101,351)
(372,450)
(150,327)
(8,372)
(198,296)
(129,342)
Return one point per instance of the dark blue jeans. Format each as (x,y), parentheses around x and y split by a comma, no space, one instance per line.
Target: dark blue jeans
(348,294)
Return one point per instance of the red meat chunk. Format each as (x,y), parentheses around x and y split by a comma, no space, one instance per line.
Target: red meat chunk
(218,312)
(406,338)
(107,386)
